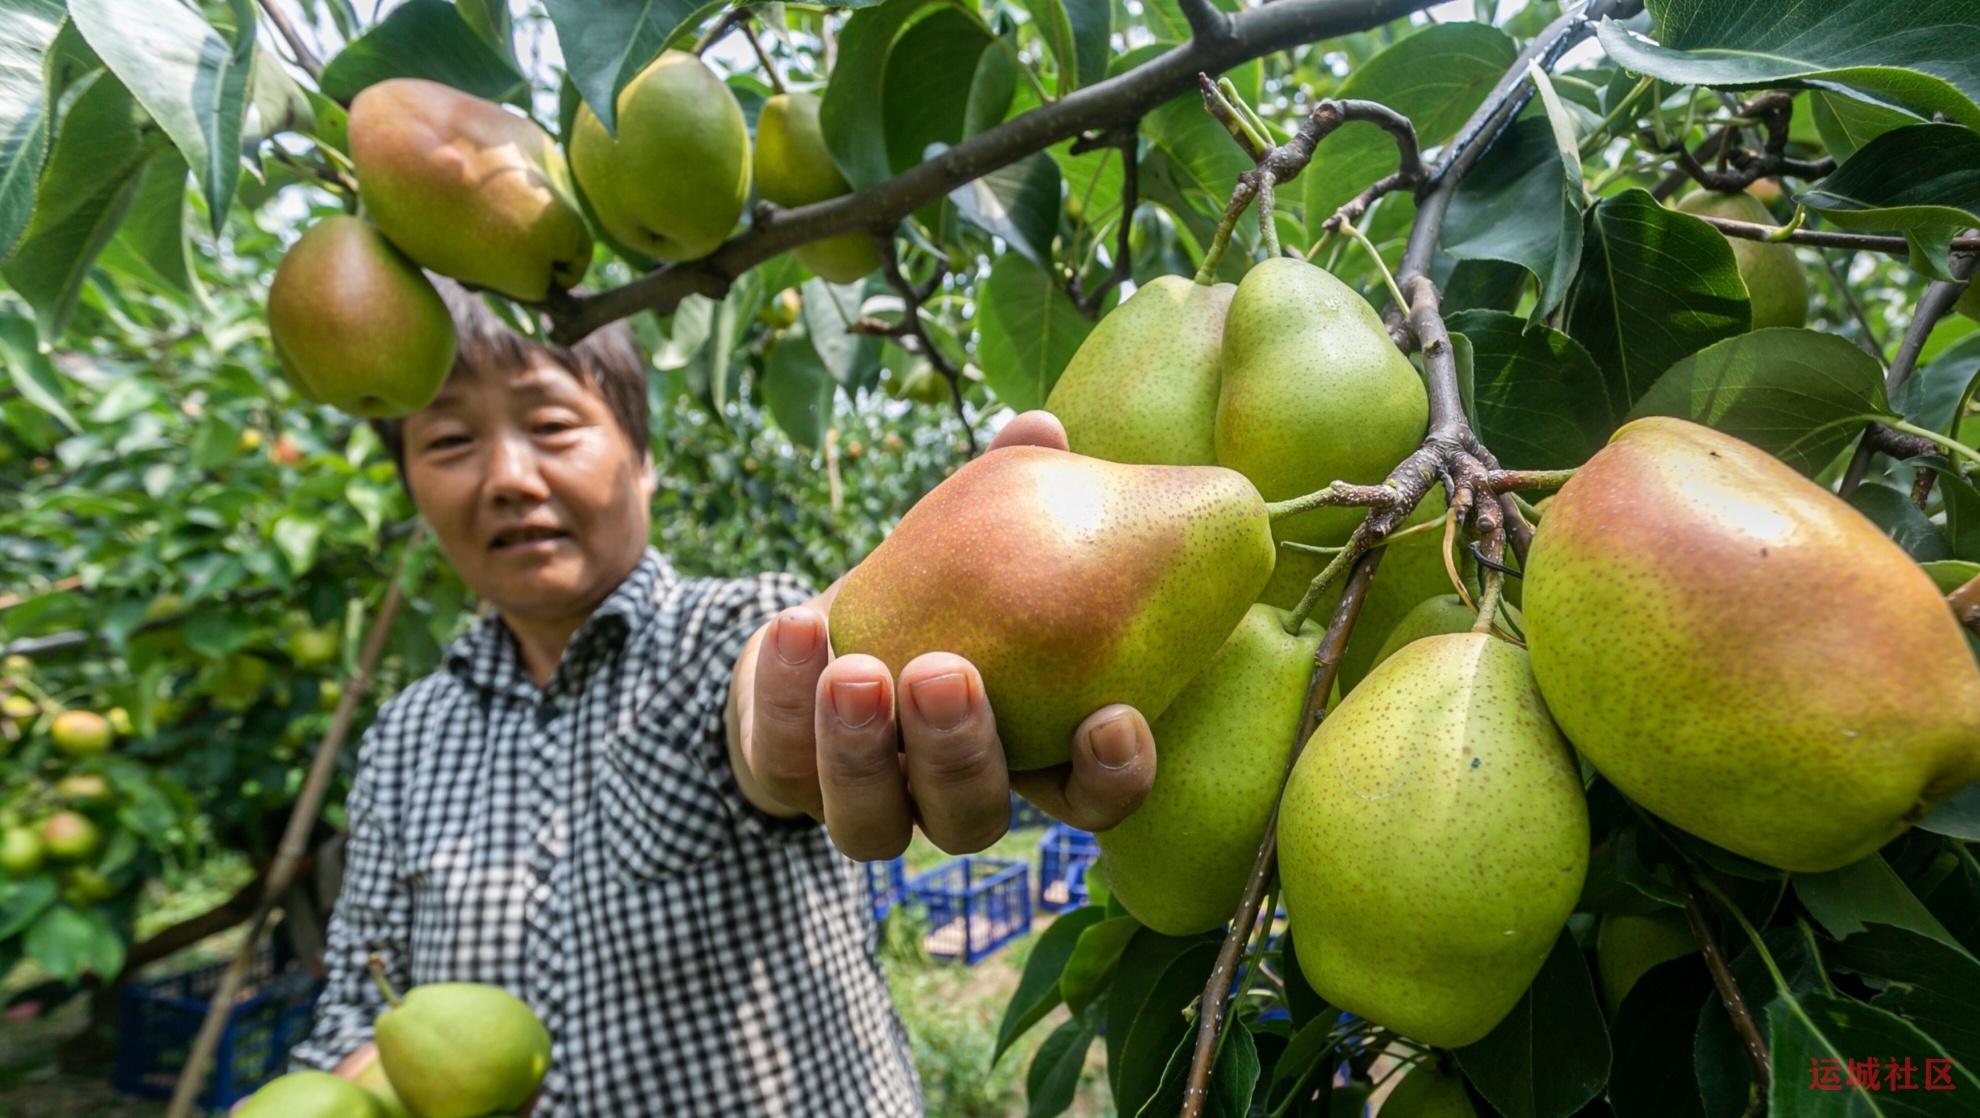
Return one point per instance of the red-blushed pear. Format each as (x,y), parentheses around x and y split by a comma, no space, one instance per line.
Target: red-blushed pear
(81,733)
(355,325)
(1179,864)
(1068,581)
(794,168)
(1742,653)
(467,188)
(1775,283)
(69,837)
(673,181)
(309,1094)
(1143,386)
(1433,839)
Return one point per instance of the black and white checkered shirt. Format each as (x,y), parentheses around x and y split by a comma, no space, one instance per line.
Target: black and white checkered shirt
(586,846)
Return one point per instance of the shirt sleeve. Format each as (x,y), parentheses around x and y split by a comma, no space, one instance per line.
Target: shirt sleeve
(734,610)
(373,915)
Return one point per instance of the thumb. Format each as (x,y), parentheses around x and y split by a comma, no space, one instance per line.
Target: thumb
(1033,428)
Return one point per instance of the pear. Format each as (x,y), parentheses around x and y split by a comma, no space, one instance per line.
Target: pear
(1774,280)
(462,1050)
(1180,862)
(1068,581)
(1740,652)
(674,180)
(1627,946)
(69,836)
(1314,392)
(374,1080)
(21,851)
(1433,839)
(1428,1091)
(355,325)
(467,188)
(794,168)
(1143,386)
(80,733)
(309,1094)
(1432,617)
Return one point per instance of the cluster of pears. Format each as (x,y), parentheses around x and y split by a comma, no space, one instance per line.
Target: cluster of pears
(462,187)
(445,1050)
(55,821)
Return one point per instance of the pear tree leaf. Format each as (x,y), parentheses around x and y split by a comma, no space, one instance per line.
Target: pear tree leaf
(852,112)
(1719,1059)
(1166,20)
(1018,202)
(1933,986)
(1931,394)
(1053,24)
(27,29)
(191,79)
(32,373)
(491,20)
(829,311)
(1958,817)
(1205,160)
(947,78)
(1435,77)
(1913,51)
(1846,123)
(1519,206)
(1551,1053)
(1844,901)
(1053,1079)
(1654,285)
(1539,397)
(152,244)
(1147,955)
(24,902)
(1153,1025)
(799,389)
(1962,508)
(430,39)
(1899,519)
(1835,1030)
(62,942)
(1093,960)
(1233,1077)
(1038,988)
(1917,177)
(1798,394)
(1949,575)
(1306,1055)
(1092,30)
(1027,330)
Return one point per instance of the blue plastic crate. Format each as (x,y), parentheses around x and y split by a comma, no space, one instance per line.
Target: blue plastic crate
(974,905)
(159,1018)
(1026,815)
(886,886)
(1063,855)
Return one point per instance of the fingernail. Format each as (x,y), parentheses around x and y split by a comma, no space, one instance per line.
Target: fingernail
(796,637)
(856,704)
(943,700)
(1113,742)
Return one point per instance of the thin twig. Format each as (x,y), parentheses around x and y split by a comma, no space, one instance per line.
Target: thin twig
(912,296)
(1127,141)
(1937,301)
(762,56)
(1839,279)
(305,58)
(1722,977)
(1825,238)
(295,839)
(730,20)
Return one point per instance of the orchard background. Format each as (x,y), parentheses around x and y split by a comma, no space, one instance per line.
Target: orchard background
(188,541)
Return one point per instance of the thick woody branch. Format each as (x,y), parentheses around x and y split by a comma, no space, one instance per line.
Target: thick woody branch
(1935,304)
(1207,22)
(1112,103)
(1743,167)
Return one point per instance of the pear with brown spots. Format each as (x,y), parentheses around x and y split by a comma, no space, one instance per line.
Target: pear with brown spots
(1179,864)
(1744,654)
(1433,839)
(1069,582)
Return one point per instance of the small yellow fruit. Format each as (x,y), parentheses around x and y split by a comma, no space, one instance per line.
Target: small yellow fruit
(19,707)
(81,733)
(250,440)
(120,721)
(84,788)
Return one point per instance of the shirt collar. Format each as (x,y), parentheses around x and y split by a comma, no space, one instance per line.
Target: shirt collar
(487,656)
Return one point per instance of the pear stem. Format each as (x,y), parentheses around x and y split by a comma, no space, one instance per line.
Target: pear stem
(1388,277)
(376,964)
(1340,494)
(762,56)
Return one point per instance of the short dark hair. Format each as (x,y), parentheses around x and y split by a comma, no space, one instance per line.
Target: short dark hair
(607,359)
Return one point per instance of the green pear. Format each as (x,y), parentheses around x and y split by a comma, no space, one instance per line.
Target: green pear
(355,325)
(794,168)
(1739,651)
(1428,1091)
(80,733)
(1143,386)
(21,851)
(467,188)
(1180,862)
(309,1094)
(1068,581)
(1774,280)
(1433,840)
(462,1050)
(1626,947)
(1412,571)
(374,1080)
(674,180)
(1432,617)
(1314,392)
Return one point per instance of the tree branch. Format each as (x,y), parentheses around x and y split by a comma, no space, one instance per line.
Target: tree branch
(1937,301)
(1825,238)
(1128,142)
(1112,103)
(912,297)
(305,58)
(1722,977)
(1207,22)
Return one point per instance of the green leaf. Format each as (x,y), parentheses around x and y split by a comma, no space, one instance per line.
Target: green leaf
(829,312)
(152,243)
(32,373)
(1018,202)
(1652,1031)
(1038,988)
(1233,1077)
(187,75)
(608,42)
(1847,123)
(1958,817)
(1918,177)
(1027,330)
(1305,1056)
(1654,285)
(1927,983)
(1798,394)
(1949,575)
(1092,30)
(799,389)
(1205,159)
(62,942)
(1913,51)
(1899,519)
(1551,1053)
(1093,960)
(851,113)
(1054,1076)
(1152,1026)
(1053,25)
(426,39)
(1435,77)
(1865,892)
(1522,205)
(1539,397)
(217,633)
(27,28)
(24,902)
(1835,1030)
(296,537)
